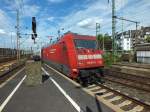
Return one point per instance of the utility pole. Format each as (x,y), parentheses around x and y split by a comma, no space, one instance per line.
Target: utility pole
(113,27)
(97,33)
(18,36)
(122,35)
(11,40)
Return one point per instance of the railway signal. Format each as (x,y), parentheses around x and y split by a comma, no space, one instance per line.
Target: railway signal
(34,35)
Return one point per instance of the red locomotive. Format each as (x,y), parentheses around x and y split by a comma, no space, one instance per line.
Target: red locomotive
(76,56)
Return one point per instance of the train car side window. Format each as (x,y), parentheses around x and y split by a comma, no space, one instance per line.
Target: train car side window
(89,44)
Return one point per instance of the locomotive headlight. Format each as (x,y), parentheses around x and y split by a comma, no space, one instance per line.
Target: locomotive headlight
(74,70)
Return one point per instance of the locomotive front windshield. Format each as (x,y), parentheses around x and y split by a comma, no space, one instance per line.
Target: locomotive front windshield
(88,44)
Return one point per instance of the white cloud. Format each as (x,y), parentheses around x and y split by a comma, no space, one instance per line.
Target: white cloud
(11,33)
(137,12)
(120,4)
(89,22)
(2,31)
(23,6)
(50,19)
(87,18)
(82,20)
(31,10)
(6,24)
(15,4)
(4,20)
(55,1)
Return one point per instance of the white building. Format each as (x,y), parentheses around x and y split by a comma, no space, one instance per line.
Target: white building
(124,41)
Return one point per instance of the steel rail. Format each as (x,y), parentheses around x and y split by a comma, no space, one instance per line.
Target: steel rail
(144,104)
(127,84)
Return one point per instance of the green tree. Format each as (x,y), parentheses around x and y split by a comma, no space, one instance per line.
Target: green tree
(148,39)
(104,41)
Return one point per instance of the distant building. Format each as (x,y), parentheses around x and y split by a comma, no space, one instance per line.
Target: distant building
(124,40)
(127,40)
(143,53)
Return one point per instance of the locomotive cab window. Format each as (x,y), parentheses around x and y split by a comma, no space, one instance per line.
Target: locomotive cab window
(88,44)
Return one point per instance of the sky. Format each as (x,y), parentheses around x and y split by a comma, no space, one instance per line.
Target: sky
(78,16)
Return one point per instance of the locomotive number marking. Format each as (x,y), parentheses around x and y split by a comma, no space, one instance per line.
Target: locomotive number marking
(52,50)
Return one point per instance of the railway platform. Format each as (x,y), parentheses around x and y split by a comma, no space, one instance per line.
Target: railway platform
(55,94)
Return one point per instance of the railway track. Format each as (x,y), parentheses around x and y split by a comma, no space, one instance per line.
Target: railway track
(7,59)
(118,101)
(129,80)
(136,65)
(123,101)
(6,65)
(8,73)
(137,78)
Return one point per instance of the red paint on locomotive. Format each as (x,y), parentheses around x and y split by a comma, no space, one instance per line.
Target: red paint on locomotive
(74,53)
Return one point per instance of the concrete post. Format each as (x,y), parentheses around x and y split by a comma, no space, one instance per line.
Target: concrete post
(33,72)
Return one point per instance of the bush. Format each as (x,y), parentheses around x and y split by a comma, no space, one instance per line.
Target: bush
(148,39)
(109,58)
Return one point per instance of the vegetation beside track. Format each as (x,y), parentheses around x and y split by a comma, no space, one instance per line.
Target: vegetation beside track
(109,59)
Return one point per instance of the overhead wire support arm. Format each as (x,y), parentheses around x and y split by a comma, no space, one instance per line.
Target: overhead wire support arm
(121,18)
(136,23)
